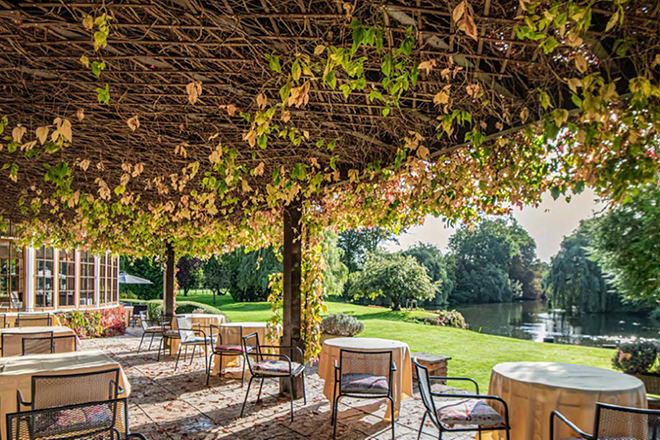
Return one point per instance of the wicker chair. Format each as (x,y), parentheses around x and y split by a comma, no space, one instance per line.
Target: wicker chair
(28,320)
(147,329)
(362,375)
(89,420)
(52,344)
(612,421)
(222,349)
(469,412)
(6,336)
(275,364)
(194,337)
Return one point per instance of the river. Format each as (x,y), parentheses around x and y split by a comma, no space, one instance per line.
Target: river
(534,320)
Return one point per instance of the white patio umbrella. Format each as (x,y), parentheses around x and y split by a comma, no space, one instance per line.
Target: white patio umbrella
(125,278)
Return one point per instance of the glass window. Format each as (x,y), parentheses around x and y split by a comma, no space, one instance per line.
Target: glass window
(67,278)
(87,281)
(44,286)
(103,274)
(11,274)
(113,279)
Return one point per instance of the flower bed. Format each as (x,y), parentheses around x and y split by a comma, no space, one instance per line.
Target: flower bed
(95,323)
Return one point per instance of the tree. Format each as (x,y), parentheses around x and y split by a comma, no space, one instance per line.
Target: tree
(627,244)
(250,272)
(358,243)
(393,277)
(575,280)
(148,268)
(336,272)
(188,274)
(496,253)
(217,275)
(431,258)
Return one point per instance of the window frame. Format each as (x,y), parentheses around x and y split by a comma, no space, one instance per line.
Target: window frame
(21,264)
(35,276)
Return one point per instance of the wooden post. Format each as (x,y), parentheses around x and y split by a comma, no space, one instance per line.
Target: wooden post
(168,294)
(291,280)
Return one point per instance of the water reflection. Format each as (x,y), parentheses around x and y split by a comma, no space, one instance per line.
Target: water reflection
(534,320)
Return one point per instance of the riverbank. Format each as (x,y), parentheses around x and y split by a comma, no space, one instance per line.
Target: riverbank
(473,354)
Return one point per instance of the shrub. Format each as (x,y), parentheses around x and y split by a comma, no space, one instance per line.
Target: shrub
(635,357)
(341,324)
(155,308)
(95,323)
(447,318)
(127,294)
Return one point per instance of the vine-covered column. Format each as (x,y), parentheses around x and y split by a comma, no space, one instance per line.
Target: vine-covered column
(168,294)
(291,279)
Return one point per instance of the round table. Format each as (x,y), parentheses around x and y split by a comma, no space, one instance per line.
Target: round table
(532,390)
(231,334)
(401,379)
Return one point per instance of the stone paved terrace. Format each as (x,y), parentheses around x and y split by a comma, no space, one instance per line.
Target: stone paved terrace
(168,404)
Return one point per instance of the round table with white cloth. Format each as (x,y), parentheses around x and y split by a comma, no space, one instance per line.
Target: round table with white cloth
(231,334)
(532,390)
(202,321)
(401,380)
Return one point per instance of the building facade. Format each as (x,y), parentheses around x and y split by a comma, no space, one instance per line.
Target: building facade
(48,279)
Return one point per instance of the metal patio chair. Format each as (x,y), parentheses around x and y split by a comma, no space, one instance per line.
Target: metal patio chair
(461,411)
(189,336)
(613,421)
(23,336)
(363,375)
(272,363)
(148,329)
(221,349)
(52,344)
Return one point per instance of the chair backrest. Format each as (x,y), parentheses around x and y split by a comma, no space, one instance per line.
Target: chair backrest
(253,354)
(12,342)
(33,320)
(373,363)
(184,325)
(15,301)
(424,384)
(82,420)
(52,344)
(614,421)
(71,389)
(144,319)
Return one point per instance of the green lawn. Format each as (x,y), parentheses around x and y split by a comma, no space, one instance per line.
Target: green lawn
(473,354)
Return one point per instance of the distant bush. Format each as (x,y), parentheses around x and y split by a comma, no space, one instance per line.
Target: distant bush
(155,308)
(127,294)
(447,318)
(341,324)
(95,323)
(635,357)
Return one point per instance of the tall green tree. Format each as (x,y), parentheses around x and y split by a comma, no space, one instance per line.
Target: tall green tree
(627,244)
(393,277)
(499,254)
(189,274)
(358,243)
(436,266)
(575,280)
(250,273)
(217,275)
(336,272)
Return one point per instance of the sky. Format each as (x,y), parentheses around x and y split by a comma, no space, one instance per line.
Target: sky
(548,224)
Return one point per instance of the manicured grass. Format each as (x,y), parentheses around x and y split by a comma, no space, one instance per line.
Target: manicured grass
(473,354)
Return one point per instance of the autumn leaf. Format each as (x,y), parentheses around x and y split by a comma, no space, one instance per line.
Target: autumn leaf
(88,22)
(17,133)
(80,114)
(427,65)
(194,90)
(524,114)
(261,101)
(231,109)
(84,164)
(580,63)
(299,95)
(286,116)
(180,149)
(133,123)
(463,16)
(85,61)
(42,134)
(442,97)
(318,50)
(259,169)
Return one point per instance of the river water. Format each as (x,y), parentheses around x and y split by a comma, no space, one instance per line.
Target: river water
(534,320)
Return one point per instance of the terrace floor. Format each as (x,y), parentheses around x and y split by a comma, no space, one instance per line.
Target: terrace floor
(168,404)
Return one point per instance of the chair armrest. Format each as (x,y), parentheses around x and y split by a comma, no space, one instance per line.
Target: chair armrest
(117,388)
(568,423)
(466,379)
(286,347)
(393,367)
(217,332)
(136,435)
(20,400)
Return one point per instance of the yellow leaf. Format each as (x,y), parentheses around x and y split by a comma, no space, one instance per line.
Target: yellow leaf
(42,134)
(580,63)
(137,169)
(80,114)
(65,130)
(422,152)
(612,21)
(133,123)
(318,50)
(259,170)
(574,83)
(231,109)
(84,164)
(286,116)
(261,101)
(442,97)
(194,90)
(656,61)
(560,116)
(458,11)
(427,66)
(524,114)
(88,22)
(17,133)
(85,61)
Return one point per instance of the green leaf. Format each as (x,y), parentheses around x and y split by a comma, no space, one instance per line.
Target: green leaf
(295,71)
(379,41)
(274,62)
(331,145)
(386,111)
(549,44)
(97,68)
(103,95)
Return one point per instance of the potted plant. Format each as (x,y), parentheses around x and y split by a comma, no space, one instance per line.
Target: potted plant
(340,325)
(638,359)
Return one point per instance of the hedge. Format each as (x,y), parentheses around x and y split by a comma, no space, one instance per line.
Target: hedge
(96,323)
(156,307)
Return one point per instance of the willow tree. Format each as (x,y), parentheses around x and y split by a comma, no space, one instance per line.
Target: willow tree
(190,127)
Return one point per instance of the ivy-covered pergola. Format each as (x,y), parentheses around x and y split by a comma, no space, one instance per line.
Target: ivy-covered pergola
(191,127)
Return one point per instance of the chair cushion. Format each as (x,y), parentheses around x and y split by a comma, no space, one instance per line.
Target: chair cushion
(196,340)
(468,412)
(363,384)
(231,347)
(153,329)
(71,420)
(277,367)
